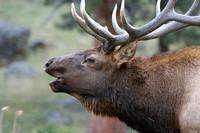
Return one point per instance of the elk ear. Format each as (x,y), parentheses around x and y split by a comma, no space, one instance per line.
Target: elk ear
(125,53)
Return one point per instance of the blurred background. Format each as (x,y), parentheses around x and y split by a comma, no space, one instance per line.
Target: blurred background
(34,31)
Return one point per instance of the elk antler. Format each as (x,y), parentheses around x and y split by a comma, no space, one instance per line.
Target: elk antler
(172,26)
(153,29)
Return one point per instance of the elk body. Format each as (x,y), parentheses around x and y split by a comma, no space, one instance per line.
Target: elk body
(157,94)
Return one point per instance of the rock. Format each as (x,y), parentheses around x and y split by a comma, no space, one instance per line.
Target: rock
(71,104)
(59,118)
(20,70)
(13,41)
(37,44)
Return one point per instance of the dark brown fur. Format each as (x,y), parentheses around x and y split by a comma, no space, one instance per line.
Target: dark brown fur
(147,93)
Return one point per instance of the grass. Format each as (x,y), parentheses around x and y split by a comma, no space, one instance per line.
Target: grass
(34,96)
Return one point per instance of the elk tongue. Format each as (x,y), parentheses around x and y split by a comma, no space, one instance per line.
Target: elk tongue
(56,85)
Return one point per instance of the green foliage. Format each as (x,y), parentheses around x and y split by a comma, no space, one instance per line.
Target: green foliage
(183,5)
(189,36)
(49,2)
(55,129)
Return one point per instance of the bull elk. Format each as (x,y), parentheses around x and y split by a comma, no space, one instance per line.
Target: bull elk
(157,94)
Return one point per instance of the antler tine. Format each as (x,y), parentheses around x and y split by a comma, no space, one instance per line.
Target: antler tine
(109,40)
(159,20)
(128,28)
(96,27)
(173,26)
(158,10)
(194,9)
(163,30)
(83,25)
(116,27)
(192,20)
(163,17)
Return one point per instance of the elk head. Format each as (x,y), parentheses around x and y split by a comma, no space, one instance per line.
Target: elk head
(91,76)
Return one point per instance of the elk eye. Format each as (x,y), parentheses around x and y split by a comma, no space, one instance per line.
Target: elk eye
(89,60)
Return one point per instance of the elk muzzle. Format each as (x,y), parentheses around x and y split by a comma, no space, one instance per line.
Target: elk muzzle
(46,66)
(56,85)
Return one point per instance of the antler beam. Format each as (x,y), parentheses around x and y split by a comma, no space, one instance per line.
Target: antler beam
(83,24)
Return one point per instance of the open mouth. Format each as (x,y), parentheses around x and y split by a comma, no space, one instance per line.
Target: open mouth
(56,85)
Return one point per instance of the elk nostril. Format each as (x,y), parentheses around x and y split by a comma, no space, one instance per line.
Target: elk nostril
(46,66)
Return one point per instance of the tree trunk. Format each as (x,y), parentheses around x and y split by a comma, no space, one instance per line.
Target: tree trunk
(162,46)
(99,124)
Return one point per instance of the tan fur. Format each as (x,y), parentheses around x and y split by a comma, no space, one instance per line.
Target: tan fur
(189,118)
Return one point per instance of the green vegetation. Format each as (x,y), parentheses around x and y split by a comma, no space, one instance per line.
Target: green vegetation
(34,96)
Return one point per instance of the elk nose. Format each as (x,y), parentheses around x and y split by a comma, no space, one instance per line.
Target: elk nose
(46,66)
